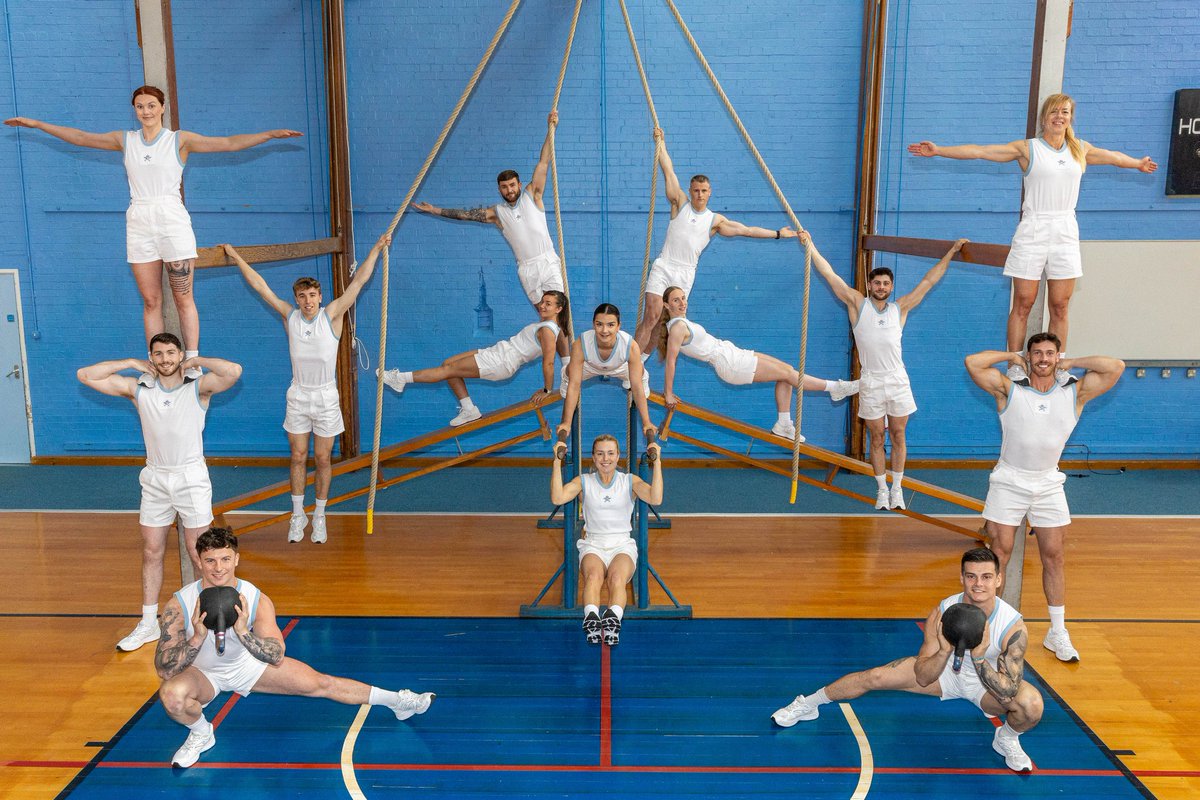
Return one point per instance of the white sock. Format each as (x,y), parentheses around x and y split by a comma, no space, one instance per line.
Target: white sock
(297,505)
(1058,618)
(897,477)
(828,387)
(820,698)
(785,416)
(618,611)
(150,613)
(882,481)
(200,725)
(645,357)
(1007,730)
(466,404)
(382,697)
(190,353)
(320,510)
(406,377)
(590,609)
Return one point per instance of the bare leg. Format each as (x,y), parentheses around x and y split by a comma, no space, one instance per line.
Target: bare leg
(190,535)
(455,367)
(183,696)
(650,315)
(1024,293)
(154,548)
(1000,539)
(323,455)
(593,578)
(1054,579)
(783,396)
(896,427)
(148,277)
(876,428)
(298,469)
(897,675)
(294,677)
(1058,298)
(1021,713)
(619,573)
(179,274)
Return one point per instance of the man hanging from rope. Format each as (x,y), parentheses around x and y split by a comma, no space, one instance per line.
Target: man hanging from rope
(521,218)
(691,228)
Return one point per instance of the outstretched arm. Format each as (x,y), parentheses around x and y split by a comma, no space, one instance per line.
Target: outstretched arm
(548,342)
(340,305)
(190,142)
(652,492)
(221,374)
(1115,158)
(674,341)
(1012,151)
(1005,679)
(911,300)
(1102,374)
(257,282)
(537,184)
(105,378)
(486,215)
(113,140)
(841,289)
(636,370)
(676,196)
(574,381)
(728,227)
(992,381)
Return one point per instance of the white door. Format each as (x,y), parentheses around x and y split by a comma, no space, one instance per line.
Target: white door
(15,418)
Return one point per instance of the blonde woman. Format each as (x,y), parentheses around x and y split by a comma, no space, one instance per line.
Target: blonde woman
(1047,239)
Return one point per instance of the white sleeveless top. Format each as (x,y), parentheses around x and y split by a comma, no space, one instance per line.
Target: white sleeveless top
(1036,425)
(607,510)
(1051,181)
(524,226)
(154,170)
(524,347)
(313,347)
(617,360)
(687,236)
(1000,623)
(207,659)
(878,334)
(172,424)
(700,344)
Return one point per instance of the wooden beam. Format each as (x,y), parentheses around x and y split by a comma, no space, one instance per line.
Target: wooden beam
(991,255)
(208,257)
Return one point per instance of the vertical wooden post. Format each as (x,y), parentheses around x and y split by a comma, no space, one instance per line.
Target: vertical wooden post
(341,211)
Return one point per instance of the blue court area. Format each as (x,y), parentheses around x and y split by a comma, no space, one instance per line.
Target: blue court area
(525,708)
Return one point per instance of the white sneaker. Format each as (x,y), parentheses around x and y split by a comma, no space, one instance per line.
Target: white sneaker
(143,633)
(412,703)
(1009,746)
(896,497)
(193,746)
(787,430)
(842,389)
(793,712)
(319,534)
(466,415)
(1017,373)
(883,500)
(1060,643)
(296,528)
(392,379)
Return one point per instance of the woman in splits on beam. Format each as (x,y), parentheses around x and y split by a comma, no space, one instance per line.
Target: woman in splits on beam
(607,551)
(498,362)
(158,230)
(676,334)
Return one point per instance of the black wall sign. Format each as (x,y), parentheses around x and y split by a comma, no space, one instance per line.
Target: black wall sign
(1183,169)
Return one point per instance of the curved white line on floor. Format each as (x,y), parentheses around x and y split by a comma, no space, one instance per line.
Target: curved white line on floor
(348,777)
(867,770)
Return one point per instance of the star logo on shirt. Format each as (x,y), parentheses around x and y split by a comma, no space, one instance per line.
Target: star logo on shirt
(1062,162)
(146,158)
(1043,407)
(166,403)
(881,323)
(607,498)
(308,332)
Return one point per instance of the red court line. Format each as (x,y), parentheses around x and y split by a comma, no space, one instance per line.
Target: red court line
(232,701)
(605,707)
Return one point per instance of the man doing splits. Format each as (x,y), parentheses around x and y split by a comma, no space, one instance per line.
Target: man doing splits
(521,218)
(607,551)
(992,678)
(193,672)
(175,479)
(1037,416)
(691,228)
(885,398)
(313,406)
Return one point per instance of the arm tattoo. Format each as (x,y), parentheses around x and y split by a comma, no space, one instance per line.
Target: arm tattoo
(172,657)
(898,662)
(267,650)
(469,215)
(1005,679)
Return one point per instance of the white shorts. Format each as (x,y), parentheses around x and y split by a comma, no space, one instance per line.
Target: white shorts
(498,362)
(158,229)
(317,411)
(622,374)
(885,394)
(540,275)
(1014,493)
(184,490)
(962,685)
(733,364)
(665,274)
(606,550)
(1045,243)
(239,675)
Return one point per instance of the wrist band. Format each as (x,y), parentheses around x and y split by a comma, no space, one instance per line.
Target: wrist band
(776,234)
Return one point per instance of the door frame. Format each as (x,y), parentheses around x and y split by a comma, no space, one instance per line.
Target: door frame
(16,279)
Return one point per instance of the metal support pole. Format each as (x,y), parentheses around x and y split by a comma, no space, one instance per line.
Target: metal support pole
(642,514)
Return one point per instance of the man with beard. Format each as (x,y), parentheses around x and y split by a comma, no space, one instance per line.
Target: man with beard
(885,398)
(175,478)
(521,218)
(1037,415)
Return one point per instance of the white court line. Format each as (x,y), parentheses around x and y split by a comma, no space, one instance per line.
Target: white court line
(348,777)
(867,770)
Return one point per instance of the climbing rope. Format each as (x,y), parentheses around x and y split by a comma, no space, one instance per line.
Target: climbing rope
(562,249)
(416,184)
